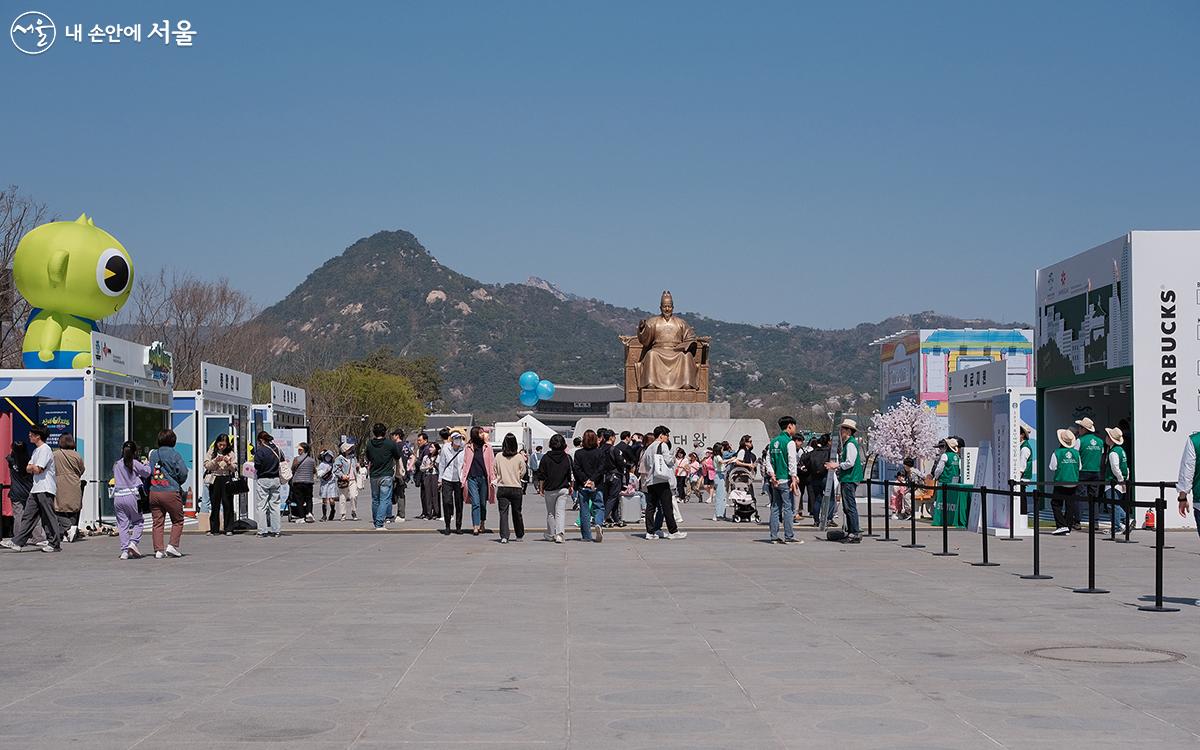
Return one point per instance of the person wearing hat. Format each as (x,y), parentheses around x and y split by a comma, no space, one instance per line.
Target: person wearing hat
(345,469)
(1091,461)
(948,469)
(1116,471)
(849,468)
(1064,464)
(1027,450)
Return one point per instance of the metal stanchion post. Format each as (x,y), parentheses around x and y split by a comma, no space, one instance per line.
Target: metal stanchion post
(1091,587)
(887,514)
(1160,508)
(870,531)
(1012,515)
(1037,538)
(945,528)
(912,523)
(983,529)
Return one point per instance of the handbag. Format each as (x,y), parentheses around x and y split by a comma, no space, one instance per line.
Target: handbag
(661,470)
(285,467)
(238,486)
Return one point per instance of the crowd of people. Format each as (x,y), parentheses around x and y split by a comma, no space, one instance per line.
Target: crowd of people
(604,478)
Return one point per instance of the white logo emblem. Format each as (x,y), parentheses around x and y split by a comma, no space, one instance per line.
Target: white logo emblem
(33,32)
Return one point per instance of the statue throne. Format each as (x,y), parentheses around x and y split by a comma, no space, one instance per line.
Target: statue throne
(636,394)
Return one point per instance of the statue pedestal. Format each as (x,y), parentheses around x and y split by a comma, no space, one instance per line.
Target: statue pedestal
(693,426)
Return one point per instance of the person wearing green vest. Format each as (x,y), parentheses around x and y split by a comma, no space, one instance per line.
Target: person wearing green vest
(1116,471)
(1189,478)
(948,469)
(1064,465)
(1027,451)
(1091,461)
(782,478)
(849,468)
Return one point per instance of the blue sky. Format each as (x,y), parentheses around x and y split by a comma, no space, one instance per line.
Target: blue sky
(821,164)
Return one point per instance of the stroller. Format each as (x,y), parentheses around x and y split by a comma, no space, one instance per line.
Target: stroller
(740,491)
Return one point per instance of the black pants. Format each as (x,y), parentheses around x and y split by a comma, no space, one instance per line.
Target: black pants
(66,521)
(398,499)
(612,499)
(452,504)
(659,496)
(816,499)
(1094,491)
(510,497)
(681,488)
(220,502)
(1063,503)
(300,499)
(429,495)
(39,506)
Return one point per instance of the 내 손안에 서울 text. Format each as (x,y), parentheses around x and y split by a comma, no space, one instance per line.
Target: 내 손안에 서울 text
(34,32)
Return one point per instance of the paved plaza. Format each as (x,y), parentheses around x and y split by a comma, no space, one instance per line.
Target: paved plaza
(415,640)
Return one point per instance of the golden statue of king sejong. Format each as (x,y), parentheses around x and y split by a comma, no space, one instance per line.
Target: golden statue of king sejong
(668,360)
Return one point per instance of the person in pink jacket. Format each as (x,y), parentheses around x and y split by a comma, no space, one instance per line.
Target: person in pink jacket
(478,465)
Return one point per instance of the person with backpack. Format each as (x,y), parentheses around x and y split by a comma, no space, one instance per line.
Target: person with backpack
(781,469)
(268,479)
(1064,466)
(168,474)
(849,468)
(658,466)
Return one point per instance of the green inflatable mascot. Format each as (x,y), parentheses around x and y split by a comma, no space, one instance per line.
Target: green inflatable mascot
(73,273)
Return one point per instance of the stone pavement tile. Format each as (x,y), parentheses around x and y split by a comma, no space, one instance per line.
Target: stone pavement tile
(254,724)
(118,728)
(693,726)
(528,723)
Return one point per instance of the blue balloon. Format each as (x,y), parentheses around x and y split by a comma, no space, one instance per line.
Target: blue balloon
(529,398)
(545,389)
(529,380)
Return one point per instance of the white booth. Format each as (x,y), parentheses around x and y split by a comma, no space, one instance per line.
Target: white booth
(988,405)
(124,395)
(285,418)
(1117,329)
(221,406)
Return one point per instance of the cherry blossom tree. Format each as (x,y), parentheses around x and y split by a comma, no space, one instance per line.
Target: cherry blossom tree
(907,429)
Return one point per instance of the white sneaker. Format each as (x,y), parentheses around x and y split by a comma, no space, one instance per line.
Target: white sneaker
(172,552)
(1061,531)
(159,555)
(558,538)
(124,555)
(8,544)
(715,518)
(651,537)
(678,535)
(399,520)
(42,543)
(381,528)
(72,533)
(662,534)
(134,552)
(48,548)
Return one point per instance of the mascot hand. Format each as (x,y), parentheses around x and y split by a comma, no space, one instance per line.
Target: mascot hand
(45,355)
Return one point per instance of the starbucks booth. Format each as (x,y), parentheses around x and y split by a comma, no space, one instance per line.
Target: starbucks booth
(1118,341)
(124,395)
(988,405)
(221,406)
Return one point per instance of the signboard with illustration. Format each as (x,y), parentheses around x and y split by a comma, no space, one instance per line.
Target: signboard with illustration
(59,419)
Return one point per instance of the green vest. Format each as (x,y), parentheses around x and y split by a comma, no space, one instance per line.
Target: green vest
(1196,475)
(1068,466)
(1091,452)
(854,474)
(777,454)
(1123,462)
(952,471)
(1028,473)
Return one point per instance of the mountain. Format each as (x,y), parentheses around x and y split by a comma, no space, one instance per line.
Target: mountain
(386,290)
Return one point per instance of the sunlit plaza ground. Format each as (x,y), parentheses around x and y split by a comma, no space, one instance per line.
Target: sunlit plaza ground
(413,639)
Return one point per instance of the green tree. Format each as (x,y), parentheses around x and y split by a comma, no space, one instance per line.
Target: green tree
(349,399)
(422,372)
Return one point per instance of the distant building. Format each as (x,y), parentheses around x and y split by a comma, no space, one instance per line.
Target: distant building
(435,422)
(571,403)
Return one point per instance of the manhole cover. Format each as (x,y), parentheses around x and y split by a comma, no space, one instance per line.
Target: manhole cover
(1106,654)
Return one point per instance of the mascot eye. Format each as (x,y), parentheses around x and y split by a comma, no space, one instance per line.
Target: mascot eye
(112,272)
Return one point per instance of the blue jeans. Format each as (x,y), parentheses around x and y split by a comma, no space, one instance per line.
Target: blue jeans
(477,491)
(1118,508)
(850,507)
(381,499)
(591,511)
(781,498)
(720,500)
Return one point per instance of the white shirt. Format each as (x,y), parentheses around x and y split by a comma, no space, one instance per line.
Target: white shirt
(1187,468)
(450,464)
(939,467)
(45,481)
(1114,464)
(1053,465)
(851,457)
